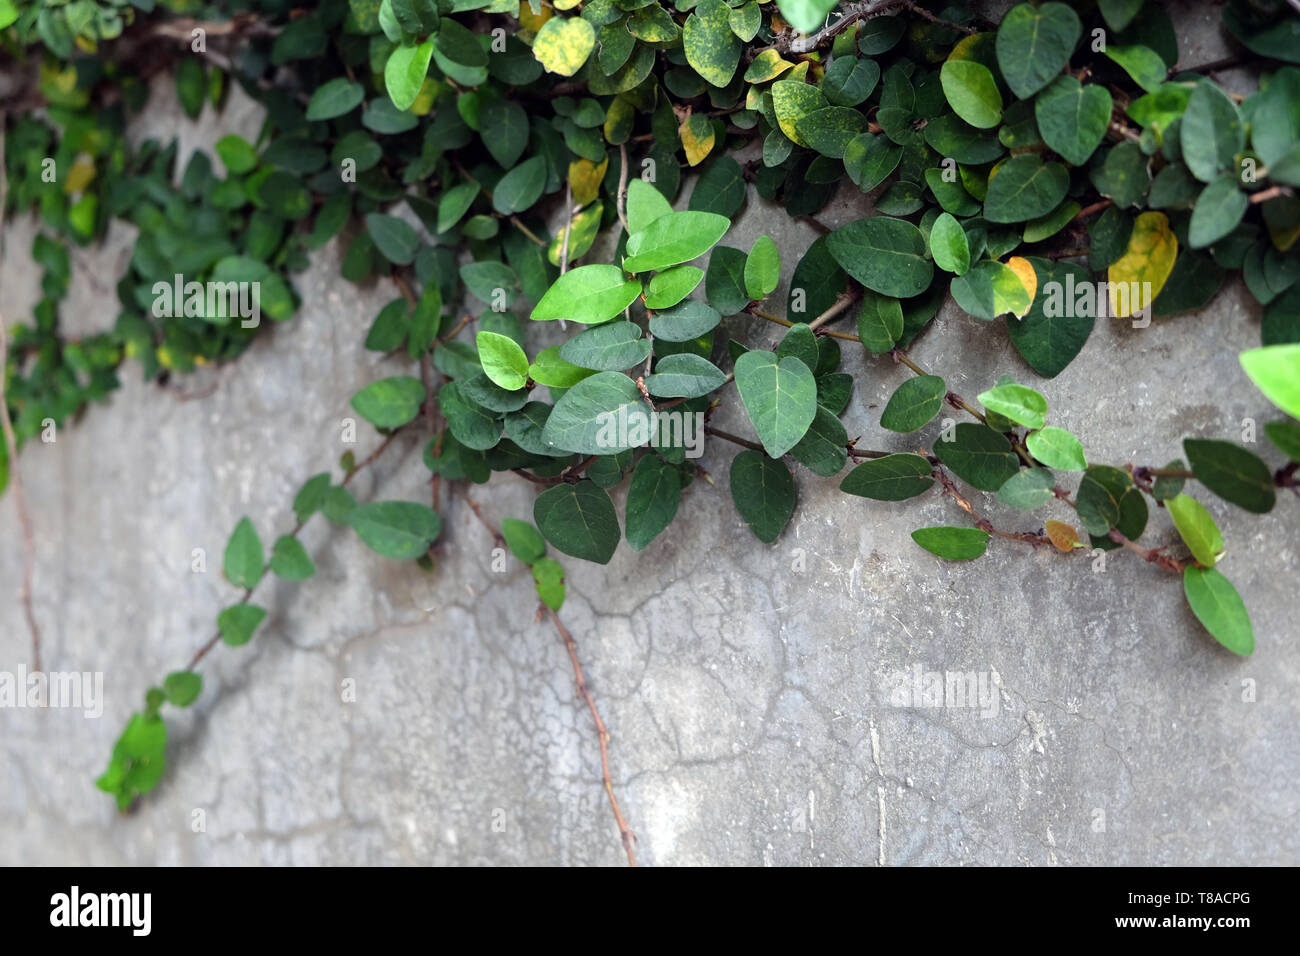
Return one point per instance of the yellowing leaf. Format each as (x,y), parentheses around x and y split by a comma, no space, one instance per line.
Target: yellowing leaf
(79,176)
(697,138)
(586,223)
(427,96)
(1149,259)
(768,65)
(1062,535)
(585,178)
(533,22)
(563,45)
(1025,272)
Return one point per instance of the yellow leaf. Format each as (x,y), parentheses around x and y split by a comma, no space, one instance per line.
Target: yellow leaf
(427,96)
(531,22)
(80,176)
(697,138)
(1137,277)
(585,178)
(800,73)
(768,65)
(1028,278)
(563,45)
(1062,535)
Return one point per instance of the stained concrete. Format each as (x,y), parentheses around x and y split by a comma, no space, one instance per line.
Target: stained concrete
(752,692)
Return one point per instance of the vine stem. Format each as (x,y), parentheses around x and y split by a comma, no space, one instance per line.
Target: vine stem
(842,303)
(622,185)
(11,448)
(1154,555)
(950,489)
(571,646)
(369,460)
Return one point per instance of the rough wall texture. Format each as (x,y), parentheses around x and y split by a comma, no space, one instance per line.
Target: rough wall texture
(750,690)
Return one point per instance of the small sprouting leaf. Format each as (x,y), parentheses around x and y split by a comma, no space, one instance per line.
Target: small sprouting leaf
(390,402)
(289,559)
(914,403)
(588,295)
(1021,404)
(563,44)
(673,239)
(762,268)
(579,520)
(504,362)
(972,92)
(238,622)
(402,530)
(1056,448)
(891,478)
(548,575)
(763,491)
(244,559)
(1034,44)
(954,544)
(1219,607)
(182,688)
(780,398)
(1197,529)
(524,541)
(1232,473)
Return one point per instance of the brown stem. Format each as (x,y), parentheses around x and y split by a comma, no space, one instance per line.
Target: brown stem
(1154,555)
(950,489)
(622,186)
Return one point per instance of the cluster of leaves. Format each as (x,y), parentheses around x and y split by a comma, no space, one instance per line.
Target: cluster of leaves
(64,26)
(482,151)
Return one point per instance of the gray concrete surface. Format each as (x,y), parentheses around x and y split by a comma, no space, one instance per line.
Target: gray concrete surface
(751,690)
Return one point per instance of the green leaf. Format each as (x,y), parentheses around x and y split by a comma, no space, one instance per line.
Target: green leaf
(521,187)
(1218,210)
(1107,498)
(579,520)
(1232,473)
(405,71)
(684,322)
(1142,63)
(886,255)
(880,322)
(684,376)
(390,402)
(1275,370)
(954,544)
(550,369)
(238,156)
(289,559)
(244,559)
(830,130)
(1211,132)
(972,92)
(1056,448)
(724,280)
(711,48)
(792,100)
(806,16)
(823,450)
(674,238)
(1053,331)
(949,245)
(978,456)
(139,757)
(611,347)
(762,268)
(503,127)
(396,240)
(1034,45)
(1073,118)
(238,622)
(1219,607)
(548,575)
(1028,488)
(665,289)
(1024,187)
(1197,529)
(779,397)
(311,497)
(402,530)
(586,418)
(1286,436)
(182,688)
(891,478)
(588,295)
(524,541)
(652,499)
(455,202)
(645,204)
(914,404)
(504,362)
(990,289)
(563,44)
(763,491)
(1021,404)
(473,425)
(334,98)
